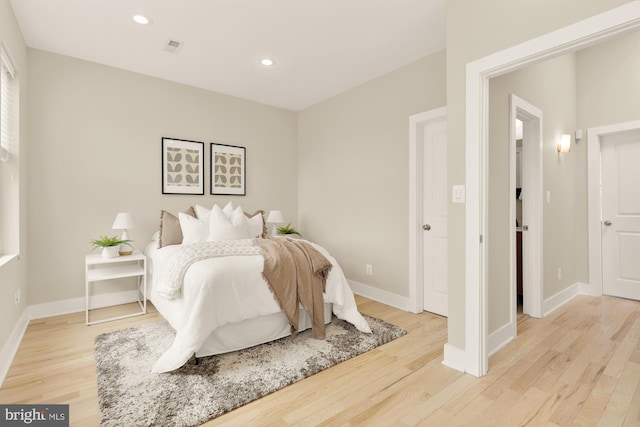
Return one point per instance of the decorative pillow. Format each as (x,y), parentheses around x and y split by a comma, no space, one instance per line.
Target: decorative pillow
(203,213)
(257,225)
(221,227)
(170,231)
(228,209)
(193,230)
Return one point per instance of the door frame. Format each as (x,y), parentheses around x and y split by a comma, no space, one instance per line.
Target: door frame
(594,172)
(532,182)
(416,176)
(597,28)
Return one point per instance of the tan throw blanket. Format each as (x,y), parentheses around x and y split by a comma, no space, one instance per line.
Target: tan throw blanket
(296,273)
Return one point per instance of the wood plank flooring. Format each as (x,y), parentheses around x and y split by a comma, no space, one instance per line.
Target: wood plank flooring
(580,366)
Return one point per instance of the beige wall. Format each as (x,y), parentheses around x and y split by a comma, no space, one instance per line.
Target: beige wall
(95,150)
(551,87)
(14,274)
(353,171)
(608,92)
(609,82)
(476,29)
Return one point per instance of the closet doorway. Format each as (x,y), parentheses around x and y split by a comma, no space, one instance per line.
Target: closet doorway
(526,209)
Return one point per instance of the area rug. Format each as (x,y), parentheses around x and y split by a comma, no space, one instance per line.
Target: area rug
(130,395)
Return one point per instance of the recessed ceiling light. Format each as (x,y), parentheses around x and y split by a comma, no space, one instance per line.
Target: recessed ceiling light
(141,19)
(267,62)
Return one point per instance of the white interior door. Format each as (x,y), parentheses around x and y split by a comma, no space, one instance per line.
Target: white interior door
(532,216)
(434,215)
(621,214)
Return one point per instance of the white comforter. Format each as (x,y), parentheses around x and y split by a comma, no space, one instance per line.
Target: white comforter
(222,290)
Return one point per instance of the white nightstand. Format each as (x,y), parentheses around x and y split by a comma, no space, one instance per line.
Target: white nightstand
(99,268)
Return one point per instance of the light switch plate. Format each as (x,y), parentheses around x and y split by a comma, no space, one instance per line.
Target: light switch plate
(457,195)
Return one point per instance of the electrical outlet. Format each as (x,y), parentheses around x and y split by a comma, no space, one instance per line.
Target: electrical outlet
(559,273)
(369,269)
(17,298)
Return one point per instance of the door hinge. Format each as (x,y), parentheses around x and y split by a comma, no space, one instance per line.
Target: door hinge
(481,239)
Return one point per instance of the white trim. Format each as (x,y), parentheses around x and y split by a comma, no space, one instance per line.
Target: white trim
(562,297)
(594,171)
(616,21)
(500,338)
(454,358)
(504,335)
(476,319)
(416,290)
(58,308)
(532,183)
(12,344)
(7,258)
(380,295)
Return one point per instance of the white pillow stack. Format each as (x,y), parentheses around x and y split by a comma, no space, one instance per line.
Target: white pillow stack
(217,224)
(228,227)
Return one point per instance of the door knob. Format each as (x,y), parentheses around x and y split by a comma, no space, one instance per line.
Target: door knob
(426,227)
(607,223)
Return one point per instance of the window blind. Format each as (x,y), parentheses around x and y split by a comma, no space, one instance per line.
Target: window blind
(7,106)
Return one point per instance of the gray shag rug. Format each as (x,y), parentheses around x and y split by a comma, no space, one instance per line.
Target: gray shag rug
(130,395)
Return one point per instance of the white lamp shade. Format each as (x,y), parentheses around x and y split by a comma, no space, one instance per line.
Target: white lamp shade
(124,221)
(275,217)
(564,146)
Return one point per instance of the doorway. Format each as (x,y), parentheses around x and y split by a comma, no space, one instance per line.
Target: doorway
(526,209)
(428,200)
(474,358)
(614,216)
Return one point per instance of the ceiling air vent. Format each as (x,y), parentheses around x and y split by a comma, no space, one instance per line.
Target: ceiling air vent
(173,46)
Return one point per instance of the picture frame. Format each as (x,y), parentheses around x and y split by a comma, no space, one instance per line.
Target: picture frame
(228,170)
(182,166)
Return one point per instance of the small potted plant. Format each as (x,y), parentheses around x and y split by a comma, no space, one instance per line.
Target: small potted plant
(288,230)
(109,245)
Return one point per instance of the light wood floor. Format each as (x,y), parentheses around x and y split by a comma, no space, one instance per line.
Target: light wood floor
(580,366)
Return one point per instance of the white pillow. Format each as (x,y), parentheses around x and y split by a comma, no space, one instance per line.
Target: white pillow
(256,225)
(203,213)
(256,222)
(221,227)
(228,209)
(193,229)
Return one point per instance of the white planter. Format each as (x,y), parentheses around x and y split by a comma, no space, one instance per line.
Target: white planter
(110,251)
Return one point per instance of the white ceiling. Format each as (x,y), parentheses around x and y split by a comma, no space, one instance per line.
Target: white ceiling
(321,47)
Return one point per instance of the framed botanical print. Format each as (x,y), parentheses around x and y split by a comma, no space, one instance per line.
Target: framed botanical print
(228,170)
(182,166)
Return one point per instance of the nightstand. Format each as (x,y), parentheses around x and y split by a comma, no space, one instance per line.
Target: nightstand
(98,268)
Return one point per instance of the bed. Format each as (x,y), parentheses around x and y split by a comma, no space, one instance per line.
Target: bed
(220,301)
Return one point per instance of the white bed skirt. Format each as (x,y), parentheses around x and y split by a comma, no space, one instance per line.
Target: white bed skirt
(259,330)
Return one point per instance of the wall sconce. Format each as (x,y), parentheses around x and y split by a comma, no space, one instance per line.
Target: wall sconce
(564,145)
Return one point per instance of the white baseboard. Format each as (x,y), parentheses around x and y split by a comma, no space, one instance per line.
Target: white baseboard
(13,342)
(56,308)
(561,298)
(500,338)
(506,334)
(588,289)
(455,358)
(385,297)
